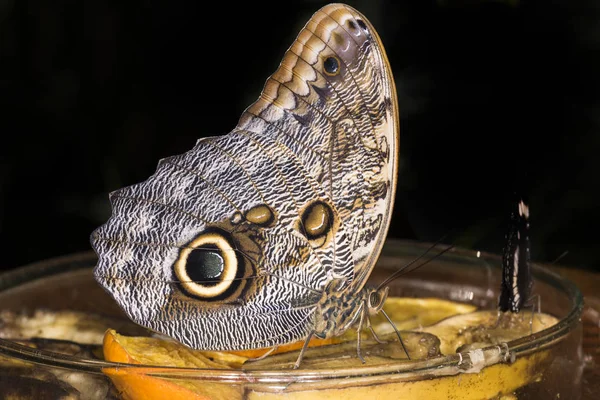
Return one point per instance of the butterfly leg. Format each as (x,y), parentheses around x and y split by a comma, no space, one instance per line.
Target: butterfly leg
(304,347)
(361,322)
(498,319)
(530,305)
(268,353)
(397,333)
(533,309)
(373,332)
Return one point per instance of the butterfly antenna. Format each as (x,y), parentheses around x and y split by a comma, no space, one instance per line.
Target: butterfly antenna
(404,269)
(563,255)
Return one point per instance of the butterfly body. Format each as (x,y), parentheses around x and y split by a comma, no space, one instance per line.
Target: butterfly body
(339,310)
(517,280)
(249,239)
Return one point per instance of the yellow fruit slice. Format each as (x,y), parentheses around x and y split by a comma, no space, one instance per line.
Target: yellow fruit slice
(492,382)
(485,328)
(410,313)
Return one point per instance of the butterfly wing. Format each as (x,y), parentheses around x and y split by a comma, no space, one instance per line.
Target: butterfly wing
(229,245)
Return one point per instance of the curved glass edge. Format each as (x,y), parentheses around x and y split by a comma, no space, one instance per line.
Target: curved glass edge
(42,269)
(438,366)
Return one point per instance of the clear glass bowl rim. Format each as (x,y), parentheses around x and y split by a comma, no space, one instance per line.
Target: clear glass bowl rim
(443,365)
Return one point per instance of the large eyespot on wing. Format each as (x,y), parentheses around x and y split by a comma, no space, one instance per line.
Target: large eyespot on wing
(210,268)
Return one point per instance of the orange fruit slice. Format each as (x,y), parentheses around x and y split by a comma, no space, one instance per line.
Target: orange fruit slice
(138,384)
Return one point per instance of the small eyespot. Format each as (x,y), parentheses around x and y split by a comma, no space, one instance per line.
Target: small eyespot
(261,215)
(351,24)
(362,24)
(236,218)
(317,220)
(331,65)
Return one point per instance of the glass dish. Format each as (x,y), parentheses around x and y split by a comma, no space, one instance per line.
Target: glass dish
(67,283)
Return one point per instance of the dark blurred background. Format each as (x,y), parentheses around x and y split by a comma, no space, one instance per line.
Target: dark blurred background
(495,96)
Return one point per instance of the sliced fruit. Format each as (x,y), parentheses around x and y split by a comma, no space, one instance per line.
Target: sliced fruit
(438,327)
(406,313)
(256,353)
(492,382)
(485,328)
(468,333)
(136,384)
(411,313)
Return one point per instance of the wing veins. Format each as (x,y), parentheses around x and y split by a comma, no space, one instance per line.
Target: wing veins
(220,148)
(211,185)
(353,80)
(240,316)
(156,202)
(176,282)
(337,95)
(249,135)
(281,130)
(165,245)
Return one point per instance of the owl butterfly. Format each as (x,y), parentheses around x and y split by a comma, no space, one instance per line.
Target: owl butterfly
(267,235)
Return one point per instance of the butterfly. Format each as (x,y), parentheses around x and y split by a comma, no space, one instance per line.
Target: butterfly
(517,280)
(268,234)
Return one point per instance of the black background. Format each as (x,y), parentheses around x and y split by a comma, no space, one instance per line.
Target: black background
(495,96)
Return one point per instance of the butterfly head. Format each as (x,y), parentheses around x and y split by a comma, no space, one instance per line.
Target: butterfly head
(376,299)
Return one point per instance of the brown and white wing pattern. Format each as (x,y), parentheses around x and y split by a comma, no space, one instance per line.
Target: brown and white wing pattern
(230,245)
